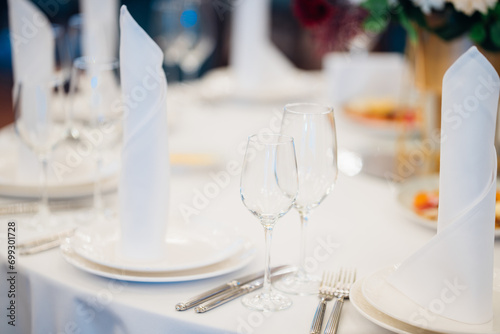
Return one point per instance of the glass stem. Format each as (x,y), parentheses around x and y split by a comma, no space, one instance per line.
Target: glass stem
(44,200)
(268,230)
(304,220)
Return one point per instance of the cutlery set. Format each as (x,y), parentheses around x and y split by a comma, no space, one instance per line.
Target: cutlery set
(231,290)
(333,286)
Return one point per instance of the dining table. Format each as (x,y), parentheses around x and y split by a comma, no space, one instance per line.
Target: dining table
(360,224)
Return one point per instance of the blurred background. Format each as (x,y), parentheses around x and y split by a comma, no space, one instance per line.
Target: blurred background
(287,33)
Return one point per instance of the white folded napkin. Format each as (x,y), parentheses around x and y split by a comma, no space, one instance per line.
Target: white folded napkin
(254,59)
(452,275)
(100,28)
(33,48)
(144,179)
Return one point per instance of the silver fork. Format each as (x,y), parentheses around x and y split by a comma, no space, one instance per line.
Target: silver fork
(326,293)
(347,279)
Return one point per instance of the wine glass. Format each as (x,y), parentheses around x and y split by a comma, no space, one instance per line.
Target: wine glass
(186,31)
(96,112)
(268,188)
(38,126)
(313,128)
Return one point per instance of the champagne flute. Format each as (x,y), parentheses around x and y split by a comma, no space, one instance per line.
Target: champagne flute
(268,188)
(38,126)
(313,128)
(96,111)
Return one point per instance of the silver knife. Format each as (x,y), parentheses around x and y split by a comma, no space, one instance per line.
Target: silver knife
(218,291)
(243,290)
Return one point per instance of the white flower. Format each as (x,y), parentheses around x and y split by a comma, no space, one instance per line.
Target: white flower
(470,6)
(428,5)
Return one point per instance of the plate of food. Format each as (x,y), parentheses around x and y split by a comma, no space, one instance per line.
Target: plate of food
(418,199)
(382,115)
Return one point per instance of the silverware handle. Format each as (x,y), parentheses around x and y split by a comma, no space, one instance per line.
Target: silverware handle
(49,239)
(40,248)
(334,320)
(199,299)
(224,299)
(318,317)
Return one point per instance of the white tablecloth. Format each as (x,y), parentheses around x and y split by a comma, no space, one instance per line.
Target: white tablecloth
(357,225)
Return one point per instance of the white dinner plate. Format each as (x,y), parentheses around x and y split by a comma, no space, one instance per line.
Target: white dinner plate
(76,171)
(406,195)
(183,249)
(388,300)
(381,319)
(239,260)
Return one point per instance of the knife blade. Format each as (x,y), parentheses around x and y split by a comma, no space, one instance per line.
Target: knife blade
(238,292)
(221,289)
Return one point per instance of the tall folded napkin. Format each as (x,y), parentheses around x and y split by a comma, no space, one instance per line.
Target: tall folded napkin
(452,275)
(33,47)
(32,42)
(254,59)
(144,179)
(100,28)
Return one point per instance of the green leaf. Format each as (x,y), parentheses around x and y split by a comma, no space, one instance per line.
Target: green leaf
(496,10)
(477,33)
(375,23)
(495,33)
(410,29)
(375,6)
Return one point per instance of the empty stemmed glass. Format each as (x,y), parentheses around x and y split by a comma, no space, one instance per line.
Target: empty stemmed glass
(39,126)
(268,188)
(186,31)
(94,117)
(313,128)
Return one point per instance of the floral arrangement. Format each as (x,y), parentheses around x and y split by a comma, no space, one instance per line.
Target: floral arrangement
(333,23)
(479,19)
(336,22)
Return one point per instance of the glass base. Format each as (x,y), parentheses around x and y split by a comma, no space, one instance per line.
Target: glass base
(300,284)
(267,301)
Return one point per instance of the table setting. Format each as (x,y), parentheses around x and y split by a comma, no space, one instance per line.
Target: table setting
(131,204)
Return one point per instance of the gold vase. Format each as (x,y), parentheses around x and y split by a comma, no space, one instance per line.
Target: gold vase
(429,58)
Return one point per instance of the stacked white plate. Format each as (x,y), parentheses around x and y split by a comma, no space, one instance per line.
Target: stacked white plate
(189,255)
(76,179)
(381,303)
